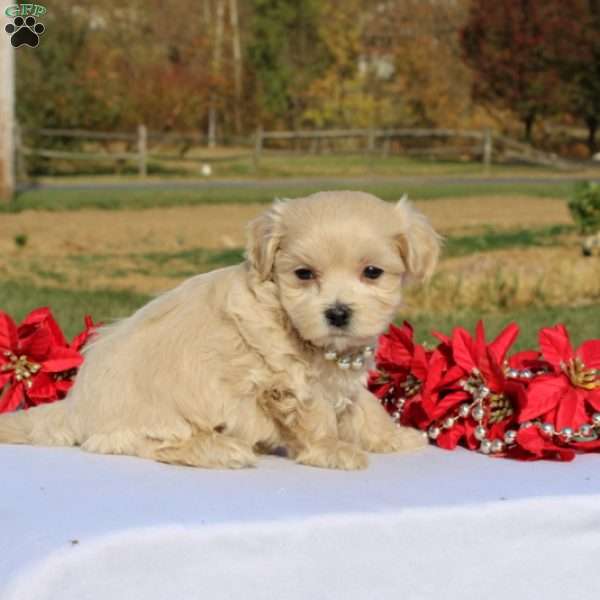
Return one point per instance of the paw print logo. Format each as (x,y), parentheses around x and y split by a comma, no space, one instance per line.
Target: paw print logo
(25,32)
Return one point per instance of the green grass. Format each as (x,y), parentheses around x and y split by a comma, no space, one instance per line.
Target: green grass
(69,307)
(498,240)
(582,322)
(114,199)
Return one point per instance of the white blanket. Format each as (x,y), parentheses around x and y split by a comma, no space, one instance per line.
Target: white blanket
(429,525)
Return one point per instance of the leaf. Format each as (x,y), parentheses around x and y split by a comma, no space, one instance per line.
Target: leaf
(555,345)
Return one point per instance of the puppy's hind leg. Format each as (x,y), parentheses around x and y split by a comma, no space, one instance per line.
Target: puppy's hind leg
(209,449)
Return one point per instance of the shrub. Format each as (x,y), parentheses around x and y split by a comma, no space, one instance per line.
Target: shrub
(585,207)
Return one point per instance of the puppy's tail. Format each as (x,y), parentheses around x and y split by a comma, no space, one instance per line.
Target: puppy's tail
(44,425)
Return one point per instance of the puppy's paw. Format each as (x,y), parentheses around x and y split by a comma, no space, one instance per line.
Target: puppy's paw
(403,439)
(213,451)
(334,455)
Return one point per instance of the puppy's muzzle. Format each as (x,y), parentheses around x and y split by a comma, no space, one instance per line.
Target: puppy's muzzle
(338,315)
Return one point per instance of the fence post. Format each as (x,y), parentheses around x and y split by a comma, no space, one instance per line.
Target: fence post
(142,150)
(7,117)
(258,145)
(371,141)
(488,149)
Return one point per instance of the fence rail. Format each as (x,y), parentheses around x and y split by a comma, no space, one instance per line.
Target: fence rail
(486,144)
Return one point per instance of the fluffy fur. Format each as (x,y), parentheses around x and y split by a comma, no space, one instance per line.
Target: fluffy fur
(230,363)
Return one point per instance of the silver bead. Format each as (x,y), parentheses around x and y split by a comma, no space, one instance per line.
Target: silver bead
(330,355)
(510,436)
(526,425)
(368,350)
(547,428)
(486,446)
(483,392)
(448,422)
(478,413)
(526,374)
(596,418)
(395,415)
(497,446)
(464,409)
(358,362)
(480,432)
(586,430)
(567,433)
(433,432)
(344,362)
(513,373)
(400,402)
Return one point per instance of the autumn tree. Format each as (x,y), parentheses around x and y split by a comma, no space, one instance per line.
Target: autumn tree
(576,56)
(506,44)
(286,53)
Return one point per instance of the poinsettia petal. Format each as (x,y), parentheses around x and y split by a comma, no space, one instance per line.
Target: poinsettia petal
(590,354)
(62,359)
(449,402)
(571,410)
(593,399)
(419,363)
(12,398)
(8,333)
(542,395)
(555,345)
(37,345)
(43,317)
(503,342)
(449,438)
(462,349)
(82,338)
(42,390)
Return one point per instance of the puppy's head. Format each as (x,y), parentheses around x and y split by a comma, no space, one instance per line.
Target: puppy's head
(339,260)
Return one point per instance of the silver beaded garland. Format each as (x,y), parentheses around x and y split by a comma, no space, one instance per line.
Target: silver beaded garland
(464,409)
(478,412)
(480,432)
(510,436)
(433,432)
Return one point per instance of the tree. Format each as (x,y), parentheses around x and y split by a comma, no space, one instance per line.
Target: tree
(506,42)
(287,54)
(577,57)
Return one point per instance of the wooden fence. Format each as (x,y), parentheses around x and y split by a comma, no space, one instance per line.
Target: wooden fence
(484,144)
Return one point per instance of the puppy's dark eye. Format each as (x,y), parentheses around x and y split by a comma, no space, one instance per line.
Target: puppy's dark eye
(372,272)
(304,274)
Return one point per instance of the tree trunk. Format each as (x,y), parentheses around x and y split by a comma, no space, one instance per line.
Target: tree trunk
(237,65)
(592,125)
(528,122)
(217,53)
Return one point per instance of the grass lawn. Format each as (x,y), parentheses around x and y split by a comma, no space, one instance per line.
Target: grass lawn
(120,198)
(69,307)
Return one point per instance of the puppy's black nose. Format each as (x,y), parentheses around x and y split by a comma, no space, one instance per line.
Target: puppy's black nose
(338,315)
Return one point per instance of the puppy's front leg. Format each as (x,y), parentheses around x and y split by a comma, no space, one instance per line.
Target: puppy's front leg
(311,431)
(366,423)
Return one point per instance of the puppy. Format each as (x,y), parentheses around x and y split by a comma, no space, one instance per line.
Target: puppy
(272,353)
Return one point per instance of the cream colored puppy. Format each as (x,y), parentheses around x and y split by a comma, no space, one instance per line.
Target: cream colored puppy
(266,354)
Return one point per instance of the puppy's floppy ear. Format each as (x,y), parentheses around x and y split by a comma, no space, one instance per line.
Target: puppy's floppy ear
(418,242)
(264,236)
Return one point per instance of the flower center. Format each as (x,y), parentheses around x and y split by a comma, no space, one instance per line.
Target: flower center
(22,367)
(580,376)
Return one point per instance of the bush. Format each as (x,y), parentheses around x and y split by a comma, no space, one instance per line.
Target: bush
(585,207)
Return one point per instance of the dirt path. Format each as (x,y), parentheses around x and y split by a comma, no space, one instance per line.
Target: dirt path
(222,226)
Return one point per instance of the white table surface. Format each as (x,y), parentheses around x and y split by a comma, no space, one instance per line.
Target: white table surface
(431,524)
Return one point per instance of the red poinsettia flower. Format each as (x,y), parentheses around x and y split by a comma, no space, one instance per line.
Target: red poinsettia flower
(565,396)
(36,361)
